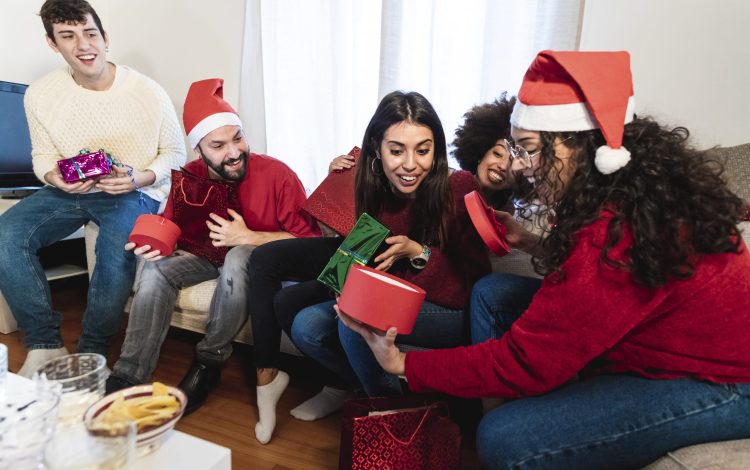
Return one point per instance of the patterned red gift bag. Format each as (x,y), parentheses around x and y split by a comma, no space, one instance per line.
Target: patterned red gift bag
(398,433)
(193,199)
(332,202)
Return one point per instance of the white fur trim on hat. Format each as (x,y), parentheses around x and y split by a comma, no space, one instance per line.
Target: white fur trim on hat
(210,123)
(571,117)
(609,160)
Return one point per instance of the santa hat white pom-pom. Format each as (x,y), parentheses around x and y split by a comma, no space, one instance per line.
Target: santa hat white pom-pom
(609,160)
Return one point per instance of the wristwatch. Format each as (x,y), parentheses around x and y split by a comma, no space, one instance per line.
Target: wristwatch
(420,261)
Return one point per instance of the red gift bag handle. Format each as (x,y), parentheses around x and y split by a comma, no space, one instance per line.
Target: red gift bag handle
(416,431)
(184,196)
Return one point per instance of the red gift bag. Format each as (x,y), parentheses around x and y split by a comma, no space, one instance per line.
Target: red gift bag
(193,199)
(332,202)
(398,433)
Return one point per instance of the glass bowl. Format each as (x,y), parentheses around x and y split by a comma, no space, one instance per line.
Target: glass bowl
(82,378)
(27,423)
(148,438)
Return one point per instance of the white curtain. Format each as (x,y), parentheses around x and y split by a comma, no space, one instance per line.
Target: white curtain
(313,71)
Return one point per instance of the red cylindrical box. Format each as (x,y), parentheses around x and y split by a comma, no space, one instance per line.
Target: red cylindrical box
(158,232)
(381,300)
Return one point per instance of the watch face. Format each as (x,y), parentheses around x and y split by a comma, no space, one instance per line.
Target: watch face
(419,262)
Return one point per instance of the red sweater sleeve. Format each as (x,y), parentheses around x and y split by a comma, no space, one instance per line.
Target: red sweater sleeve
(567,325)
(289,211)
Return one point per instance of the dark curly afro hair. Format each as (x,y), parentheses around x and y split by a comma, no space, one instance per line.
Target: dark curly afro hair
(483,125)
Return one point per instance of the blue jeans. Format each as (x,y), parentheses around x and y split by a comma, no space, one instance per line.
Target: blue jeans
(47,216)
(154,300)
(319,334)
(611,422)
(497,300)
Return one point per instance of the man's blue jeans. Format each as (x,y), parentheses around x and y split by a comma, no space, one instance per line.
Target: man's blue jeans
(46,217)
(317,332)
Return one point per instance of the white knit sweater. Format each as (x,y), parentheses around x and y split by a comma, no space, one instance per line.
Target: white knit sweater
(134,121)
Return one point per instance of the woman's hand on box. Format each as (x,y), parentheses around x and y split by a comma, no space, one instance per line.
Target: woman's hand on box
(383,345)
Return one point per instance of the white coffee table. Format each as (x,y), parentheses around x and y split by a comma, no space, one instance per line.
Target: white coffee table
(179,451)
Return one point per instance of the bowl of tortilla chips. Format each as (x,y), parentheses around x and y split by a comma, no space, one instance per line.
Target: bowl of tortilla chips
(155,410)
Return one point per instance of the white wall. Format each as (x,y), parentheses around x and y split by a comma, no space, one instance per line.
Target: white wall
(175,42)
(690,61)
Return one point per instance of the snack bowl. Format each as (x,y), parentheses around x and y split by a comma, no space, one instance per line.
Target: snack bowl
(27,423)
(149,436)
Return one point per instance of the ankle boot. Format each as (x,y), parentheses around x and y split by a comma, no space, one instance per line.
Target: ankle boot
(199,380)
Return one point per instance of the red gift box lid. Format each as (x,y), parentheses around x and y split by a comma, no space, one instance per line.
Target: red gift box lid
(332,202)
(493,233)
(157,231)
(381,300)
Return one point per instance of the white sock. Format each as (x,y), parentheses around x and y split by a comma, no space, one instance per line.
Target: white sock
(328,401)
(36,359)
(268,397)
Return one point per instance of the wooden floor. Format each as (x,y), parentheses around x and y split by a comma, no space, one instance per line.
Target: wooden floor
(229,415)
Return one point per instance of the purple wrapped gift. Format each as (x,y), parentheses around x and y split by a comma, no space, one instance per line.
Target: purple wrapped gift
(84,166)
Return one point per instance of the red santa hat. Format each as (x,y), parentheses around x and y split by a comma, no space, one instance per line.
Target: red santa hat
(205,110)
(579,91)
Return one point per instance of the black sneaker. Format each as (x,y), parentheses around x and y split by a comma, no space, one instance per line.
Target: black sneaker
(115,384)
(198,382)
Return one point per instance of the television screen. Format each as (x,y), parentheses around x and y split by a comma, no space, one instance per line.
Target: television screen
(15,144)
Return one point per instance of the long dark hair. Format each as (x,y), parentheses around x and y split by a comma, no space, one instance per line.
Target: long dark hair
(673,198)
(372,189)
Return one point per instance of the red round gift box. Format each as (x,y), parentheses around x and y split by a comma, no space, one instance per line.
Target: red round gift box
(381,300)
(483,218)
(154,230)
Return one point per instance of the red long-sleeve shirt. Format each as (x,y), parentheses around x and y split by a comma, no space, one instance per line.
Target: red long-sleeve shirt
(693,328)
(270,197)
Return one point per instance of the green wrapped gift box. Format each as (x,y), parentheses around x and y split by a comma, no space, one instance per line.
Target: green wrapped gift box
(358,247)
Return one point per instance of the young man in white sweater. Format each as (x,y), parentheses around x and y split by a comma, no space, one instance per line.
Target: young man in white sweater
(90,104)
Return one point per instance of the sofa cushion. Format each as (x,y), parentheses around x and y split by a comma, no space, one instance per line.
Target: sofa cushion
(728,455)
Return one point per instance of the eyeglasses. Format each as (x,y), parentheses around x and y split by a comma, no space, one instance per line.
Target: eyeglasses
(516,151)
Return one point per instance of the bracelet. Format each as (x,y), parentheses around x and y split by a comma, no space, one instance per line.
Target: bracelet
(132,178)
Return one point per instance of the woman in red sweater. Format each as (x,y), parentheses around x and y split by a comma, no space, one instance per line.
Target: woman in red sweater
(646,295)
(403,180)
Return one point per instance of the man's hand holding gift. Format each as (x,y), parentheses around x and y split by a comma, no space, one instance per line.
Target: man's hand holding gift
(144,251)
(124,179)
(54,177)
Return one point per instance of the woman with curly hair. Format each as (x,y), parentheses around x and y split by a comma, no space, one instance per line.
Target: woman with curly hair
(646,296)
(482,148)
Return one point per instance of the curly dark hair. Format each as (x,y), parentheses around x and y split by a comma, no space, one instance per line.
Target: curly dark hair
(673,198)
(69,12)
(372,189)
(483,126)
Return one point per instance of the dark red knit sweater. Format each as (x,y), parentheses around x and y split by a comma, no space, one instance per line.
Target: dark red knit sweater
(693,328)
(452,271)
